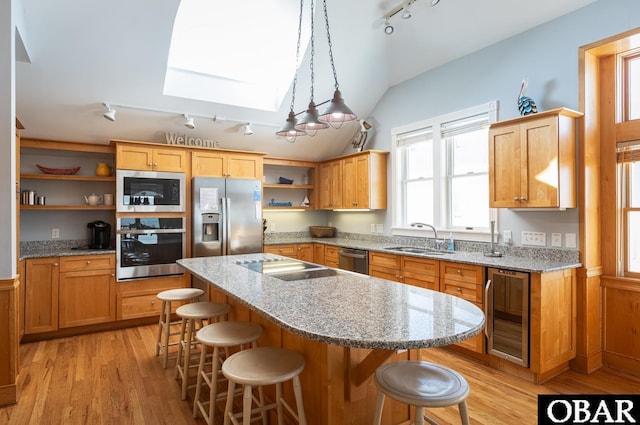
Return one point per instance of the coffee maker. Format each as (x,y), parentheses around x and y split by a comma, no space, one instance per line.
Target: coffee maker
(99,235)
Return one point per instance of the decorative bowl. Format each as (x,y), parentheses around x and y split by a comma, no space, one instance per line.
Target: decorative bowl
(322,231)
(61,171)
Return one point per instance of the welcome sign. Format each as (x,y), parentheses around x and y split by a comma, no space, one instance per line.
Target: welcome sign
(184,140)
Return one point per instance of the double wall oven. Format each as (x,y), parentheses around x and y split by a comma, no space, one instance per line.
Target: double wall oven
(151,224)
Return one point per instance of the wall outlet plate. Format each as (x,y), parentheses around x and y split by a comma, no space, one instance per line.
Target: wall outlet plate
(556,239)
(534,238)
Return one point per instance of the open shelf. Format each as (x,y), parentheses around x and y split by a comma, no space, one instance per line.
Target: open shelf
(71,177)
(68,207)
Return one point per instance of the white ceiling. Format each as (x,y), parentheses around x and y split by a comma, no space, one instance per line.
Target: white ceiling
(82,54)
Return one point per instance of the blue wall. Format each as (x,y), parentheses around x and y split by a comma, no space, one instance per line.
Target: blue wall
(547,55)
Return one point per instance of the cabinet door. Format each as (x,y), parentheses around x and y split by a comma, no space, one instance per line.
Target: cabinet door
(207,164)
(86,298)
(318,253)
(305,252)
(174,160)
(330,185)
(134,157)
(504,167)
(287,250)
(356,182)
(331,258)
(421,272)
(41,295)
(244,166)
(540,156)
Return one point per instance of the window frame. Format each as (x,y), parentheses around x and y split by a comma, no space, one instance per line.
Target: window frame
(442,181)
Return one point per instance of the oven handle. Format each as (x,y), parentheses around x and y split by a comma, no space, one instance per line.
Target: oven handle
(350,255)
(149,232)
(488,310)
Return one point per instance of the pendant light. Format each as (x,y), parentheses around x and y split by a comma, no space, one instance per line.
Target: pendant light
(288,130)
(337,113)
(309,121)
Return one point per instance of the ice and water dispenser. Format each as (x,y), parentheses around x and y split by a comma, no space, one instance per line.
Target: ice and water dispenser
(210,227)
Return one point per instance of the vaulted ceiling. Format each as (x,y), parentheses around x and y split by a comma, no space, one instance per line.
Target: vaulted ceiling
(80,54)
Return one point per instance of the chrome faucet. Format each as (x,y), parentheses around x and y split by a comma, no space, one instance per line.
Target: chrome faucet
(435,233)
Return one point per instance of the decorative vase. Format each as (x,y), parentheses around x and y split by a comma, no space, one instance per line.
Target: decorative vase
(103,170)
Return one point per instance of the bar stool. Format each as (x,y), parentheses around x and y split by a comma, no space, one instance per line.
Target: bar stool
(421,384)
(164,324)
(219,335)
(259,367)
(193,316)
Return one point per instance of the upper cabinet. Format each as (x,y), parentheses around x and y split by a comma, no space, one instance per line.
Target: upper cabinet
(532,161)
(301,177)
(236,165)
(150,158)
(356,181)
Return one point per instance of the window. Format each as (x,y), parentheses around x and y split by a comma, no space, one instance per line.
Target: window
(629,198)
(631,92)
(441,172)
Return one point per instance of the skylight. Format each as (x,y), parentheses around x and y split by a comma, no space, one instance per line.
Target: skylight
(235,53)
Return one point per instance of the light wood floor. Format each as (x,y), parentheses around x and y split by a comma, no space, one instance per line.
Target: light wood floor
(115,378)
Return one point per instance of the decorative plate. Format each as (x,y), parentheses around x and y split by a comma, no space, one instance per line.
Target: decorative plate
(61,171)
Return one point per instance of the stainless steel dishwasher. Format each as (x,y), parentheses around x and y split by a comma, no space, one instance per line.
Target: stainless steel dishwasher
(354,260)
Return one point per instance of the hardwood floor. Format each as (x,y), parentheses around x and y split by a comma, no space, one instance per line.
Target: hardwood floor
(115,378)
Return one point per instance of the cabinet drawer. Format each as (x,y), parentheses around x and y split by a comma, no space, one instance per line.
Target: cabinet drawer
(385,273)
(462,272)
(286,250)
(420,266)
(87,262)
(468,291)
(331,254)
(424,281)
(141,306)
(385,260)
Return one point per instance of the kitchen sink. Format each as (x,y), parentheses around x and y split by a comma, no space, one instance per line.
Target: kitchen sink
(416,250)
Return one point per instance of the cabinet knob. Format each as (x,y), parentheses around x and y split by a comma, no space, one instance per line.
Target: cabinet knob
(153,303)
(155,164)
(459,271)
(149,164)
(516,198)
(88,262)
(522,198)
(459,289)
(113,275)
(55,264)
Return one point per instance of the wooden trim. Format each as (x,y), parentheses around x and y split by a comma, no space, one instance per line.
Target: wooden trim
(627,131)
(626,283)
(289,162)
(550,113)
(9,339)
(66,146)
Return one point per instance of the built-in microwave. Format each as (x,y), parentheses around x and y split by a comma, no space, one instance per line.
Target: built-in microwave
(150,191)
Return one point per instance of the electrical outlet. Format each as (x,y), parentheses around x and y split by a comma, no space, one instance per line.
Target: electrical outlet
(570,240)
(55,233)
(380,228)
(272,226)
(373,227)
(534,238)
(556,239)
(507,237)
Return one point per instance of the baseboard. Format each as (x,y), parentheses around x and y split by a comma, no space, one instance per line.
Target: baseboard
(8,395)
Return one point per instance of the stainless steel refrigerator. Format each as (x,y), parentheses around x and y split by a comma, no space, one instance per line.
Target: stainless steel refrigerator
(227,216)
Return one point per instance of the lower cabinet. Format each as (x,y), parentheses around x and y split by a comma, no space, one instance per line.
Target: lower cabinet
(136,299)
(422,272)
(41,295)
(331,256)
(87,291)
(465,281)
(300,251)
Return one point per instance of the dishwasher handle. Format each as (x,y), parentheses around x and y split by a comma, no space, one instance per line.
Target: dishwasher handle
(352,254)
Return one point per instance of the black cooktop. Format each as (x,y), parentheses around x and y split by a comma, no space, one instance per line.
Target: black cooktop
(289,269)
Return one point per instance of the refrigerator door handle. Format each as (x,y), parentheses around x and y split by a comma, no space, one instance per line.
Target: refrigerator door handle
(225,234)
(227,224)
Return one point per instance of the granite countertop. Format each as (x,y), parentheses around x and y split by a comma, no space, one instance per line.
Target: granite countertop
(62,252)
(539,263)
(349,309)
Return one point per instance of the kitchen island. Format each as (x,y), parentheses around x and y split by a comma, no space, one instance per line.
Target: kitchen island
(345,325)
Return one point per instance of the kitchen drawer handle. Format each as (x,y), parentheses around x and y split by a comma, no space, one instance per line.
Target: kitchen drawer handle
(153,303)
(459,271)
(88,262)
(459,289)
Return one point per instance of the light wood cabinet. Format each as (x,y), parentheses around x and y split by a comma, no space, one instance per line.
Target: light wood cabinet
(330,185)
(331,256)
(421,272)
(147,158)
(41,295)
(138,298)
(318,253)
(465,281)
(87,290)
(300,251)
(234,165)
(532,161)
(355,181)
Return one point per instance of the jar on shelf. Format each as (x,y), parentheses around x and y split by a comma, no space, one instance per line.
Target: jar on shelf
(103,170)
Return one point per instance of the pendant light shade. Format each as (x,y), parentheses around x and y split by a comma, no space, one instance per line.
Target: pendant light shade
(309,121)
(337,113)
(288,130)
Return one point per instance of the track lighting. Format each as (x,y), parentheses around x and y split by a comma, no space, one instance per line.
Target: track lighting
(388,28)
(406,10)
(110,114)
(189,122)
(434,2)
(246,129)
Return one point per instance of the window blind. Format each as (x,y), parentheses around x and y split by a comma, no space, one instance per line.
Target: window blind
(465,125)
(628,151)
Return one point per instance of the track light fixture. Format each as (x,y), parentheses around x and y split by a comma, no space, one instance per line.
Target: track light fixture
(189,122)
(110,114)
(246,129)
(405,13)
(406,10)
(388,28)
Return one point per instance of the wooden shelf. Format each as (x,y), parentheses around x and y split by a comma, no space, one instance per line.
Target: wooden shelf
(288,186)
(265,208)
(71,177)
(68,207)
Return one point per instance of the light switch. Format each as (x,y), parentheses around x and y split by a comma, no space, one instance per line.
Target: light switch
(556,239)
(570,240)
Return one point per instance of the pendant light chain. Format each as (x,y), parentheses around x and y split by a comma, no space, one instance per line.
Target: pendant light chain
(313,49)
(333,66)
(295,76)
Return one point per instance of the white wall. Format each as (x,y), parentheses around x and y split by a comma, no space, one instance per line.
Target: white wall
(547,55)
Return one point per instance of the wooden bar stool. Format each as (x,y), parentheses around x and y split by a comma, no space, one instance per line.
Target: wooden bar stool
(258,367)
(193,316)
(421,384)
(164,324)
(219,335)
